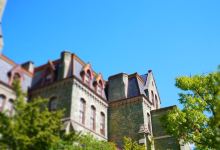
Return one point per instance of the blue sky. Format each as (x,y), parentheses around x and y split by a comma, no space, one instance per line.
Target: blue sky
(172,37)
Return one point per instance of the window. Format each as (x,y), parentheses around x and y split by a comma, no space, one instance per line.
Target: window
(102,123)
(2,100)
(16,77)
(53,104)
(149,122)
(92,118)
(87,77)
(152,97)
(99,89)
(82,111)
(156,101)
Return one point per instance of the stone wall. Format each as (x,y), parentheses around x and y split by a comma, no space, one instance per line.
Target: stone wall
(79,91)
(162,140)
(62,90)
(124,119)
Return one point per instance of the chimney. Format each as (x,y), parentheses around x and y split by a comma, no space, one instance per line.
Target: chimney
(117,87)
(65,70)
(29,66)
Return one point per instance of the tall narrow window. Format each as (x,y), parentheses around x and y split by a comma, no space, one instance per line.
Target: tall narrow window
(156,101)
(53,104)
(99,89)
(16,77)
(2,100)
(82,111)
(92,118)
(102,123)
(152,97)
(87,77)
(149,122)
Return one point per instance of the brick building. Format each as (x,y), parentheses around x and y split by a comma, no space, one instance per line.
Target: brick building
(125,105)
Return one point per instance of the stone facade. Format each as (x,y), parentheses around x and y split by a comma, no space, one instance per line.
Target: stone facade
(161,139)
(125,105)
(69,81)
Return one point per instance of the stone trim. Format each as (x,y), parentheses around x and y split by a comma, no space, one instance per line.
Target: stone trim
(6,85)
(82,125)
(162,137)
(57,83)
(90,93)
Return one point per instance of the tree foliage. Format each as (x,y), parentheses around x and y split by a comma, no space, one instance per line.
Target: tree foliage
(34,127)
(129,144)
(198,121)
(31,126)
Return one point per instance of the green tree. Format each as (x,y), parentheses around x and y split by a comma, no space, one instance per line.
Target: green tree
(88,142)
(129,144)
(197,121)
(32,126)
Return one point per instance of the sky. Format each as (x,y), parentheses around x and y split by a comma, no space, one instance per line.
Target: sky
(171,37)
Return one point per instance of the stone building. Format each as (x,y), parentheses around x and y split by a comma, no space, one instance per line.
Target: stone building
(9,71)
(70,83)
(125,105)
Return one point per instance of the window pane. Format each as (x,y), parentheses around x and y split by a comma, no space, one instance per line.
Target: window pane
(82,111)
(53,104)
(102,124)
(92,118)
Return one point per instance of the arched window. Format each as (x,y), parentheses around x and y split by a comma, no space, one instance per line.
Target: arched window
(102,123)
(87,77)
(53,104)
(149,122)
(16,76)
(82,111)
(156,101)
(99,88)
(2,101)
(92,118)
(152,97)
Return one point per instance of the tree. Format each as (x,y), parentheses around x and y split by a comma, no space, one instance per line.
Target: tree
(34,127)
(129,144)
(198,121)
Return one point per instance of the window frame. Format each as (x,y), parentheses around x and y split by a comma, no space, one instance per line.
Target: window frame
(102,123)
(51,103)
(82,111)
(93,118)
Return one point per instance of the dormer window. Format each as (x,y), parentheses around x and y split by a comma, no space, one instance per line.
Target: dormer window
(98,86)
(14,76)
(48,78)
(99,89)
(87,77)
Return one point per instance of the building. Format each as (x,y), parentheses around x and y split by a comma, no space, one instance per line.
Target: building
(9,72)
(125,105)
(70,83)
